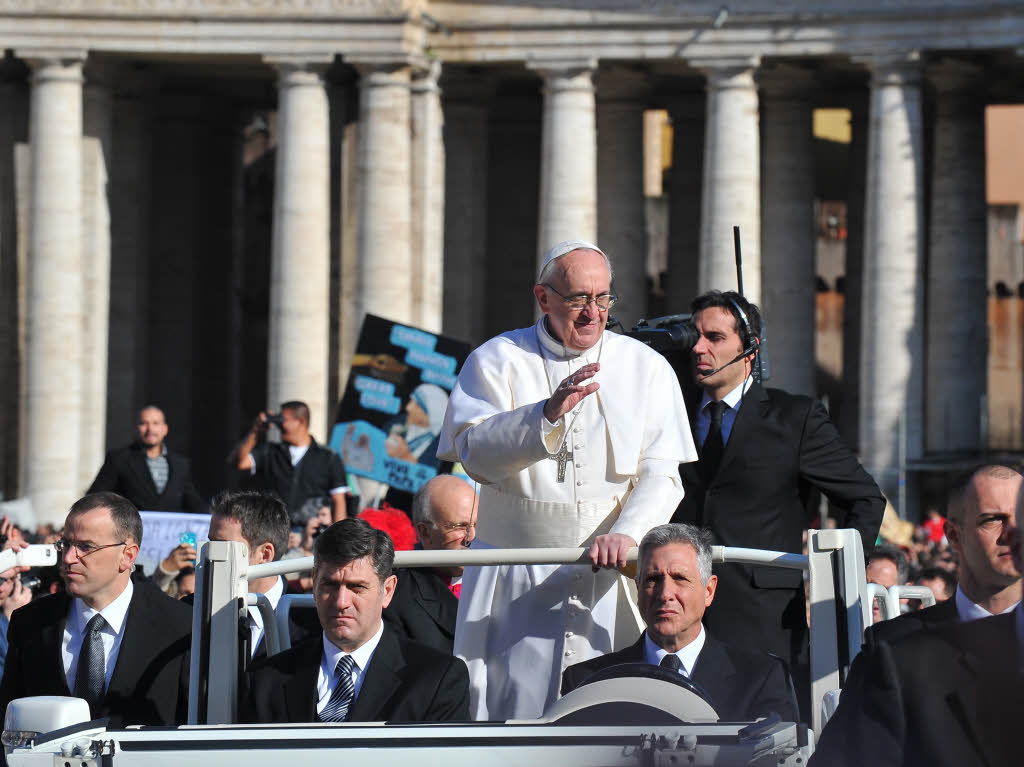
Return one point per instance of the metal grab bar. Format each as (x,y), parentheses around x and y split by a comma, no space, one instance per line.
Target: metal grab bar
(270,626)
(542,556)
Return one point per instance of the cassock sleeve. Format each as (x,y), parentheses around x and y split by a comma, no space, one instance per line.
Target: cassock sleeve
(667,442)
(485,430)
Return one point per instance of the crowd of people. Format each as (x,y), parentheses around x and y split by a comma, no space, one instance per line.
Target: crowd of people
(578,438)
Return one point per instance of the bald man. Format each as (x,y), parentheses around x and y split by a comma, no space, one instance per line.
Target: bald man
(425,603)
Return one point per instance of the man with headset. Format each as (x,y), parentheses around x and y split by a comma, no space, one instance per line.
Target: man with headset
(763,453)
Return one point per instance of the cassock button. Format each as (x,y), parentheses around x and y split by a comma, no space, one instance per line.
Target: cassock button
(577,430)
(578,446)
(568,635)
(579,465)
(579,481)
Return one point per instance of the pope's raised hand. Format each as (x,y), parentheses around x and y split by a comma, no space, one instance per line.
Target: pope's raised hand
(571,392)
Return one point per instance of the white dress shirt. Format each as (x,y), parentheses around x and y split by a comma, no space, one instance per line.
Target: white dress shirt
(732,399)
(256,618)
(361,656)
(112,634)
(687,655)
(966,610)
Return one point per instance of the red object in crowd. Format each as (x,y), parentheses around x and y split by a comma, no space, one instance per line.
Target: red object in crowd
(394,522)
(935,527)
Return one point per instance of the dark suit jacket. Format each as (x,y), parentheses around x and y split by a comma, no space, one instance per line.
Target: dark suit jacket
(405,682)
(781,448)
(743,685)
(125,472)
(149,683)
(850,701)
(950,696)
(423,609)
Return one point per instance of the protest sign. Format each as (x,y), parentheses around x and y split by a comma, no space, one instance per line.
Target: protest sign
(161,531)
(389,419)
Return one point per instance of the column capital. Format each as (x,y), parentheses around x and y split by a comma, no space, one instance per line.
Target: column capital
(386,64)
(780,80)
(298,69)
(49,64)
(623,83)
(425,78)
(727,72)
(900,69)
(564,69)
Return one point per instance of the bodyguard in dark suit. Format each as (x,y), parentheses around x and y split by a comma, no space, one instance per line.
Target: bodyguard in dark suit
(121,645)
(358,669)
(147,473)
(425,604)
(951,696)
(763,454)
(980,527)
(675,587)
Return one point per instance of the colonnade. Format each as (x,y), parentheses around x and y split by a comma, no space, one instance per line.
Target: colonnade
(402,262)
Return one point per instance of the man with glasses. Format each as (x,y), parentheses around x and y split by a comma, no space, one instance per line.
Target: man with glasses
(426,601)
(121,645)
(576,436)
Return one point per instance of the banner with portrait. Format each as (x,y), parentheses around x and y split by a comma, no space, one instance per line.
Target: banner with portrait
(389,419)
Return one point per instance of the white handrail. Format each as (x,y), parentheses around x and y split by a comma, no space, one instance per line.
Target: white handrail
(542,556)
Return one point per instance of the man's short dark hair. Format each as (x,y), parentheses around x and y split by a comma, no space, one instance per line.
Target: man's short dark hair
(127,522)
(937,573)
(352,539)
(894,554)
(264,517)
(729,300)
(298,408)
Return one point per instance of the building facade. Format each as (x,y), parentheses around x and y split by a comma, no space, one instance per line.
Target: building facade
(425,153)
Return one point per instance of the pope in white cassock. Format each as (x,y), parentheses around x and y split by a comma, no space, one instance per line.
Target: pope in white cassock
(576,436)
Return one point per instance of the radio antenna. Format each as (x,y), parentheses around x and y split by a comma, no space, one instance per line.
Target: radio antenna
(739,258)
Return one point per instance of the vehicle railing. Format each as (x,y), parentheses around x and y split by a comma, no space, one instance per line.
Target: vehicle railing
(834,566)
(889,598)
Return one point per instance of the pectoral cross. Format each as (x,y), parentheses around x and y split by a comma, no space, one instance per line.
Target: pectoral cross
(563,456)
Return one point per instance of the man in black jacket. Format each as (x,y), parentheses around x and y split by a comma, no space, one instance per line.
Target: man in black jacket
(762,454)
(120,644)
(979,526)
(675,587)
(147,473)
(358,669)
(297,468)
(426,600)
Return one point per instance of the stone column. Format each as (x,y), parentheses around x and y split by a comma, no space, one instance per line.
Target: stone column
(427,230)
(788,226)
(129,259)
(385,209)
(622,227)
(97,162)
(957,334)
(300,266)
(53,353)
(891,371)
(687,110)
(568,166)
(466,129)
(732,179)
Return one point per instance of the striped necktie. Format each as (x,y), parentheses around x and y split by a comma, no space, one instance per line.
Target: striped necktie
(341,699)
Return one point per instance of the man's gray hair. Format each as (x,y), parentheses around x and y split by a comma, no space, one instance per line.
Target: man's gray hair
(421,507)
(678,532)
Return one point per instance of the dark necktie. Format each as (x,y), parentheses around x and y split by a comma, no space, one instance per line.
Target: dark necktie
(92,667)
(341,699)
(672,663)
(714,446)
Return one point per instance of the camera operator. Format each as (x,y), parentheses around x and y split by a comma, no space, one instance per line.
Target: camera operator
(296,468)
(763,453)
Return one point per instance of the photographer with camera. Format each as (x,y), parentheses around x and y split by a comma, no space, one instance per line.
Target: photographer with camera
(296,468)
(762,454)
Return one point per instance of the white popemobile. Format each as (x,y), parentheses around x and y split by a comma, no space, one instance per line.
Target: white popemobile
(633,720)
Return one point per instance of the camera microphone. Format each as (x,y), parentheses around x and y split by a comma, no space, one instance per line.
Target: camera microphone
(733,361)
